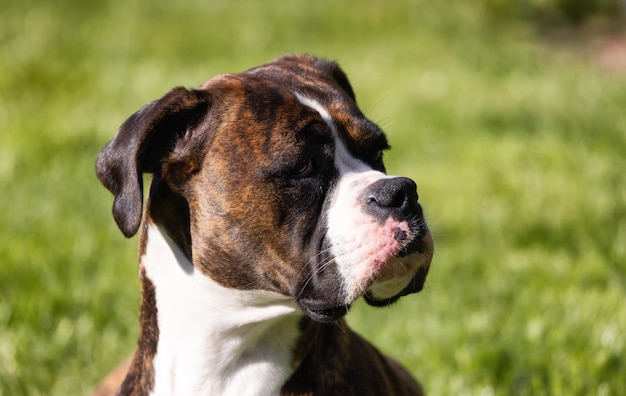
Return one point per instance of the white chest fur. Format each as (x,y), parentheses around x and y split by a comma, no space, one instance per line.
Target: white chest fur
(215,340)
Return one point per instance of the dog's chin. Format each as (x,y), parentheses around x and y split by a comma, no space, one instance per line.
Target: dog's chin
(385,293)
(404,274)
(379,294)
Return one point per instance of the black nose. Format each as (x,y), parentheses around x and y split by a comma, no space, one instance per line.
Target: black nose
(396,197)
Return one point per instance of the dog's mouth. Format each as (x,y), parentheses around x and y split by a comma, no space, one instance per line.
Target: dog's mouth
(415,246)
(416,284)
(333,313)
(324,315)
(404,274)
(324,296)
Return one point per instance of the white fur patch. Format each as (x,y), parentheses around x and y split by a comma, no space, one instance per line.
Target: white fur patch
(215,340)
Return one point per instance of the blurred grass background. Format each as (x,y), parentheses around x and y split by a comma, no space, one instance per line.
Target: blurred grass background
(509,114)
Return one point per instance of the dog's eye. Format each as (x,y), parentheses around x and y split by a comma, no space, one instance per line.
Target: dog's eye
(303,169)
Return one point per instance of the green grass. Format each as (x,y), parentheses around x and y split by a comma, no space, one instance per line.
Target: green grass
(518,147)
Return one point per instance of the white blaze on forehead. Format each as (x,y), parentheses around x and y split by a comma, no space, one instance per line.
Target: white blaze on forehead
(360,246)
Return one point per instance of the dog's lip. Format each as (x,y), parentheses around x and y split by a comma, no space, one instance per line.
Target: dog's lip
(423,249)
(415,286)
(380,303)
(324,314)
(417,245)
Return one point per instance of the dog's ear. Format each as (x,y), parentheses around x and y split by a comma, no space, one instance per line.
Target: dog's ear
(140,145)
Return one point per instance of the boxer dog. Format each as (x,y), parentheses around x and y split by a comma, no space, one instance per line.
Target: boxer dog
(269,213)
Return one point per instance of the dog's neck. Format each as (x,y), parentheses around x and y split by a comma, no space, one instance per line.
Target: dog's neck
(212,339)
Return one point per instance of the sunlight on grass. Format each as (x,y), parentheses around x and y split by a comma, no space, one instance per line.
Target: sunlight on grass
(516,142)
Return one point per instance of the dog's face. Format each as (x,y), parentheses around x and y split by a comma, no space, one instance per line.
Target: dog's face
(280,184)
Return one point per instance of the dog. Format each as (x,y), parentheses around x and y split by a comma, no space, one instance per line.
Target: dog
(268,214)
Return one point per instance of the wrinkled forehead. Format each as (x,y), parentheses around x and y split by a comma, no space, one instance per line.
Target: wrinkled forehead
(273,94)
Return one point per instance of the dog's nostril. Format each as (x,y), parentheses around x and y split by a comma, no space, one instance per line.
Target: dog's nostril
(399,192)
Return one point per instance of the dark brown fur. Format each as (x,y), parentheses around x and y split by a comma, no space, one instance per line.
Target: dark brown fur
(357,367)
(218,155)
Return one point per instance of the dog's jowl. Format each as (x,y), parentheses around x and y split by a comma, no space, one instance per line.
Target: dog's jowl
(269,213)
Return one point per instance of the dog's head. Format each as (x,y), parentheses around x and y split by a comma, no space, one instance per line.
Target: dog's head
(273,179)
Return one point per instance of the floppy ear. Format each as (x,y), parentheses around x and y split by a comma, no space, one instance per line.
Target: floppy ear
(139,147)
